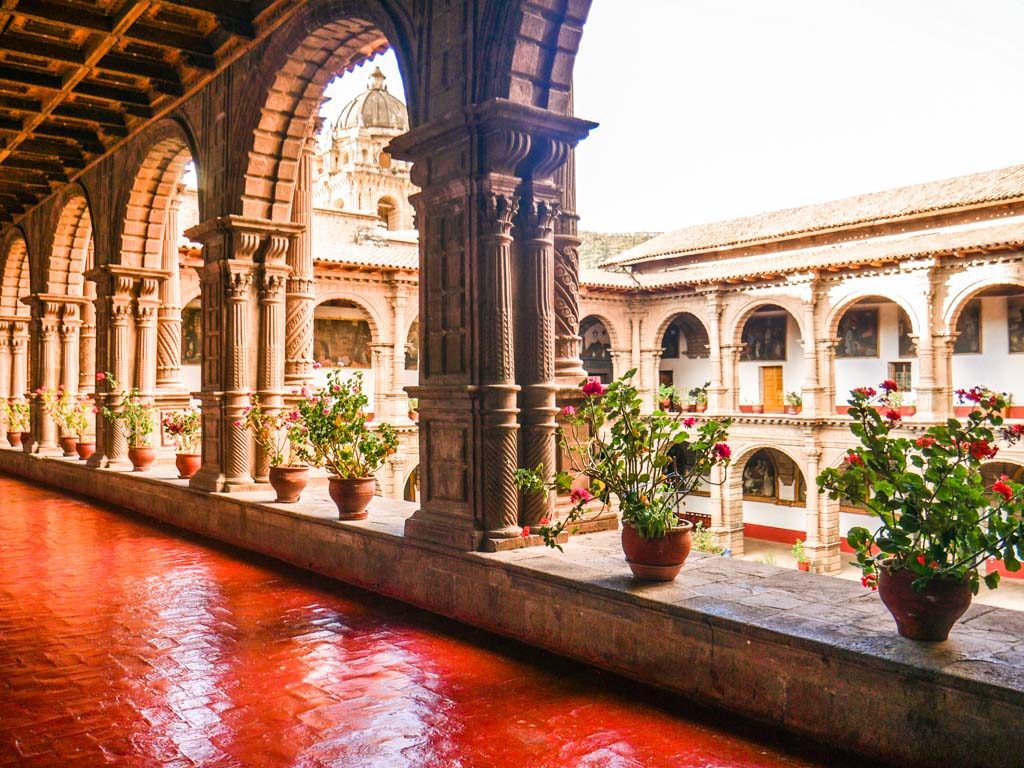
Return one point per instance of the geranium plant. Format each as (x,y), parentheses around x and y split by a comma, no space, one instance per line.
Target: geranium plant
(68,412)
(648,462)
(337,433)
(135,414)
(185,428)
(937,518)
(18,414)
(281,435)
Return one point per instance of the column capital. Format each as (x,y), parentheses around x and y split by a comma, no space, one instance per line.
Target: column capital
(238,238)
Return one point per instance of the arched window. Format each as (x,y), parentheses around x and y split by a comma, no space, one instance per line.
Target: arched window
(596,355)
(760,476)
(341,335)
(387,212)
(412,347)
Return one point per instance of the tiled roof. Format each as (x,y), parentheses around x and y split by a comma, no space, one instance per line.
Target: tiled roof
(875,250)
(876,207)
(390,256)
(602,278)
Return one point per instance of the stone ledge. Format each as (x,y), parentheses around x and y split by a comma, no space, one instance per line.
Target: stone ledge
(815,655)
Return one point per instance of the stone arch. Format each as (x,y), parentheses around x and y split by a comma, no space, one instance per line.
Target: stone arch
(324,38)
(531,60)
(14,274)
(411,484)
(597,362)
(71,250)
(614,335)
(743,314)
(373,315)
(960,300)
(744,454)
(840,307)
(992,470)
(668,322)
(153,183)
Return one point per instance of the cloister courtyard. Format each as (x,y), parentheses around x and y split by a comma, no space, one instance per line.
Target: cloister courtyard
(223,294)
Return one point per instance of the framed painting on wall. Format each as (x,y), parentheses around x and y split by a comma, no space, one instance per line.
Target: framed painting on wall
(858,333)
(764,338)
(191,336)
(968,330)
(1015,323)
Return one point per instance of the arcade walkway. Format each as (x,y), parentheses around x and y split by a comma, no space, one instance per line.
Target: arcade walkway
(125,643)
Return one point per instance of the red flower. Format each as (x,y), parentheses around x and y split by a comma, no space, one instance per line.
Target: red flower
(974,394)
(579,495)
(854,460)
(865,391)
(892,415)
(920,560)
(925,442)
(568,411)
(1000,487)
(870,580)
(689,421)
(594,388)
(545,521)
(889,385)
(980,449)
(723,451)
(101,376)
(526,530)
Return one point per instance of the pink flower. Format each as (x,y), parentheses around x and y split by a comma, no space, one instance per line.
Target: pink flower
(594,388)
(889,385)
(689,421)
(39,391)
(238,423)
(723,451)
(101,376)
(568,411)
(580,495)
(526,530)
(316,365)
(95,409)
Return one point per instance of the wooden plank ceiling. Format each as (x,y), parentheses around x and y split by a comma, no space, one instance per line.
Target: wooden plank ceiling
(78,76)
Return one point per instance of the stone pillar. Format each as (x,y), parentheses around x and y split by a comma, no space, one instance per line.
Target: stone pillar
(812,520)
(716,392)
(469,166)
(829,556)
(730,534)
(70,327)
(942,347)
(241,339)
(87,342)
(271,369)
(301,298)
(811,388)
(19,358)
(535,358)
(383,381)
(568,366)
(146,305)
(826,367)
(46,358)
(168,350)
(396,406)
(622,360)
(5,377)
(730,376)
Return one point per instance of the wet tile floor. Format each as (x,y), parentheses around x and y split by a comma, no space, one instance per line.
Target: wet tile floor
(130,644)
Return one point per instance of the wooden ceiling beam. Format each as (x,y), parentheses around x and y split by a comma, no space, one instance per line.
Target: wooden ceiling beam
(38,46)
(162,75)
(233,16)
(58,14)
(25,76)
(197,49)
(86,139)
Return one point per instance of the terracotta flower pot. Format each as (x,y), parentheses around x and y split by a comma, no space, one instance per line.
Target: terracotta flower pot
(14,438)
(188,464)
(288,482)
(804,566)
(757,409)
(701,407)
(85,450)
(142,458)
(414,416)
(792,410)
(691,408)
(68,445)
(926,615)
(664,404)
(351,495)
(657,559)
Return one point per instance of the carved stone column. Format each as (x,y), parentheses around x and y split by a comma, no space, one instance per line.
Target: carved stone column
(535,358)
(811,387)
(46,358)
(242,339)
(568,367)
(383,359)
(87,342)
(271,370)
(716,392)
(19,358)
(70,326)
(147,304)
(5,377)
(827,374)
(942,350)
(730,375)
(397,405)
(301,299)
(168,350)
(469,166)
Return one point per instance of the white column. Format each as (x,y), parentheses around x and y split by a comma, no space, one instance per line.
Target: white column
(5,377)
(811,389)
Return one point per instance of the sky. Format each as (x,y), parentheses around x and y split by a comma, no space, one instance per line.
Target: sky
(711,109)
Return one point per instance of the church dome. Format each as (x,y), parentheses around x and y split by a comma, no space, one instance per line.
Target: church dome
(374,108)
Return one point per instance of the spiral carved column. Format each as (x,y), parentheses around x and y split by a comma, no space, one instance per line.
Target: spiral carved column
(238,455)
(5,376)
(168,350)
(87,342)
(70,328)
(120,364)
(301,299)
(535,364)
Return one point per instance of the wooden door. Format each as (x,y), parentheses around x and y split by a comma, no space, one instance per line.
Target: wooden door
(771,389)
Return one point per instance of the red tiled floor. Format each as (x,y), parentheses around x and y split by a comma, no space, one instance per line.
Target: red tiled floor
(125,643)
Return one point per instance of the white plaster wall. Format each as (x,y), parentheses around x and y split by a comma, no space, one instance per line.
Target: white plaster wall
(687,372)
(792,368)
(994,367)
(775,515)
(848,520)
(699,505)
(853,372)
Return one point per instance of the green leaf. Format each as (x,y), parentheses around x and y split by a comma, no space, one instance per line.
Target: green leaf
(992,579)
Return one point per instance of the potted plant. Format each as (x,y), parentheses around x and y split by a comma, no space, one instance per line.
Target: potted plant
(754,406)
(18,414)
(340,440)
(699,396)
(414,410)
(898,401)
(794,402)
(939,523)
(136,415)
(68,413)
(281,436)
(666,396)
(633,457)
(185,429)
(803,562)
